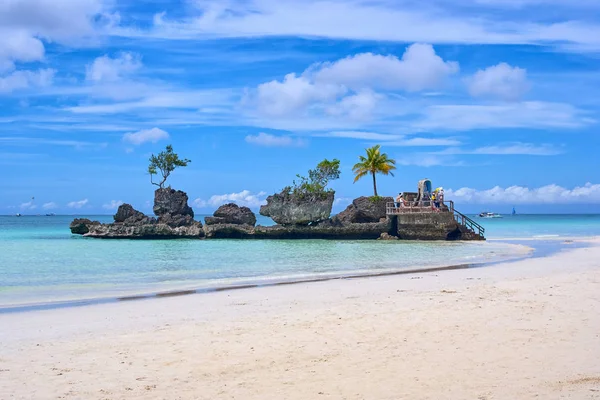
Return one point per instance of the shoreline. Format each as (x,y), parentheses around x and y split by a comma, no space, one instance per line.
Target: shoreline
(526,329)
(521,252)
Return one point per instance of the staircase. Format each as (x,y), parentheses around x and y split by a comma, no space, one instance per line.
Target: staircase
(470,229)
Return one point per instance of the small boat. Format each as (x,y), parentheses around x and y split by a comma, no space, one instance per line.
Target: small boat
(50,215)
(18,215)
(514,212)
(487,214)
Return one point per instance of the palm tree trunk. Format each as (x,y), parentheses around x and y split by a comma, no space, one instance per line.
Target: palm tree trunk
(374,184)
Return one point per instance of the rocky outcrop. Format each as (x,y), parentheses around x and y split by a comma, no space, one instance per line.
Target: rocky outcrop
(364,210)
(81,226)
(232,214)
(175,219)
(128,215)
(387,236)
(286,209)
(171,201)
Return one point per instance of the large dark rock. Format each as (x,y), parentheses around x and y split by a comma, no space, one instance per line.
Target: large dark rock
(171,201)
(286,209)
(81,226)
(175,220)
(364,210)
(127,214)
(232,214)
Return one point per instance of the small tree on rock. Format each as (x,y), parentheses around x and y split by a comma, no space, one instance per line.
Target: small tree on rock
(165,162)
(314,187)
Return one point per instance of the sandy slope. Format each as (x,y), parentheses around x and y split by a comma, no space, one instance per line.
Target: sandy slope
(529,329)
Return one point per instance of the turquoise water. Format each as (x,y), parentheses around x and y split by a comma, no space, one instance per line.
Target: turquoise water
(40,261)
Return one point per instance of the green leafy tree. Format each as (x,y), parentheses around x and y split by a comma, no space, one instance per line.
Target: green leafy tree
(374,163)
(164,163)
(314,186)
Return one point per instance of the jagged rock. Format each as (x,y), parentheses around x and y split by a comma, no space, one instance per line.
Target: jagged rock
(232,214)
(127,214)
(153,230)
(81,226)
(171,201)
(364,210)
(287,209)
(228,231)
(175,220)
(387,236)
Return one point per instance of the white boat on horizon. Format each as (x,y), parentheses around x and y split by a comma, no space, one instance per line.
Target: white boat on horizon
(487,214)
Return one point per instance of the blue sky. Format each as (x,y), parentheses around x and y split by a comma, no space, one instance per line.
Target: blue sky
(495,100)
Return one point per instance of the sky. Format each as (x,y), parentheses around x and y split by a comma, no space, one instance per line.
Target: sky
(495,100)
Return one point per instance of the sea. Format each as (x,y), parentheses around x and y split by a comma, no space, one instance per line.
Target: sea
(43,265)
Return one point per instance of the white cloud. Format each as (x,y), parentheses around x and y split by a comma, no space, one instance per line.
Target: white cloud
(359,106)
(146,135)
(268,140)
(500,81)
(24,24)
(50,206)
(550,194)
(243,198)
(106,69)
(532,114)
(442,22)
(28,206)
(77,204)
(293,94)
(112,205)
(345,88)
(420,68)
(23,79)
(529,149)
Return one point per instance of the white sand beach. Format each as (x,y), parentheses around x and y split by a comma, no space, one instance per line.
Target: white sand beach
(523,330)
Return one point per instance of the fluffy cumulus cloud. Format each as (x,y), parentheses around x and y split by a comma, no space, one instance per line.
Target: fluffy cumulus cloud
(348,87)
(550,194)
(26,25)
(77,204)
(268,140)
(419,68)
(499,81)
(112,205)
(23,79)
(107,69)
(153,135)
(50,206)
(243,198)
(293,94)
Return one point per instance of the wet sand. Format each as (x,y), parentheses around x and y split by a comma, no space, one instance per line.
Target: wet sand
(521,330)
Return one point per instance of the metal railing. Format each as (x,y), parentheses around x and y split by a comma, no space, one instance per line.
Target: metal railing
(418,206)
(469,223)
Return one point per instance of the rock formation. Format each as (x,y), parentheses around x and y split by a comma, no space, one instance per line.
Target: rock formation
(232,214)
(287,209)
(81,226)
(364,209)
(175,219)
(171,201)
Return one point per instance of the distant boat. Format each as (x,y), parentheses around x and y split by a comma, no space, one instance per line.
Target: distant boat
(18,215)
(50,215)
(514,212)
(487,214)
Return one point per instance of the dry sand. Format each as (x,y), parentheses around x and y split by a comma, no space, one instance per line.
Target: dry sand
(523,330)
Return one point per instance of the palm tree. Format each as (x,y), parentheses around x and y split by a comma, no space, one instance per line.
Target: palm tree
(374,163)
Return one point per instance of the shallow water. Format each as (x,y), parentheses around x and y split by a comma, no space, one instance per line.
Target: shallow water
(40,261)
